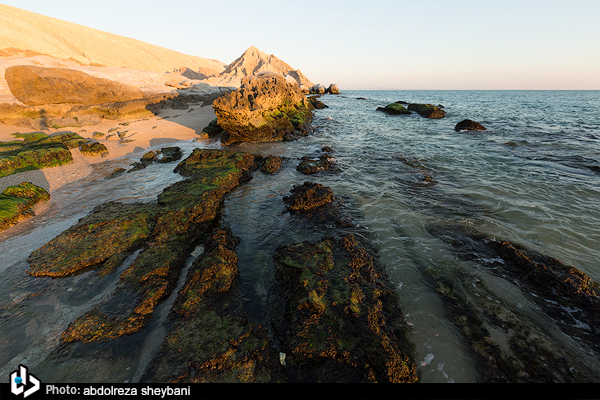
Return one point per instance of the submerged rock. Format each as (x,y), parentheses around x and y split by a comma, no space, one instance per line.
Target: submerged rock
(309,165)
(164,155)
(336,316)
(265,108)
(34,85)
(16,202)
(271,164)
(469,125)
(427,110)
(508,344)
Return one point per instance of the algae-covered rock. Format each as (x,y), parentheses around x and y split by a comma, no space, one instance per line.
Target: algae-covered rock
(309,165)
(16,202)
(469,125)
(507,342)
(316,103)
(427,110)
(210,340)
(307,196)
(265,108)
(94,149)
(394,109)
(166,232)
(335,315)
(271,164)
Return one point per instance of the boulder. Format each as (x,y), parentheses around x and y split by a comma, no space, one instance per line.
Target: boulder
(265,108)
(16,202)
(427,110)
(318,89)
(469,125)
(94,149)
(394,109)
(307,196)
(333,89)
(34,85)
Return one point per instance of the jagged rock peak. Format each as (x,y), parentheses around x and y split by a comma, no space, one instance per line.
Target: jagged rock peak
(253,62)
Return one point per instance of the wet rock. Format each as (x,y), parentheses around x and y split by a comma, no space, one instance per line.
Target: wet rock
(394,109)
(335,316)
(16,203)
(318,89)
(469,125)
(94,149)
(427,110)
(211,340)
(271,164)
(307,196)
(265,108)
(316,103)
(117,172)
(167,230)
(212,129)
(34,85)
(164,155)
(309,165)
(564,296)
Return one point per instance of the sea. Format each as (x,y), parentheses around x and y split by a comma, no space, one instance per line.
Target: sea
(531,178)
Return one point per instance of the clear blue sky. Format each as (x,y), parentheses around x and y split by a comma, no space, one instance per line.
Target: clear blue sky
(396,44)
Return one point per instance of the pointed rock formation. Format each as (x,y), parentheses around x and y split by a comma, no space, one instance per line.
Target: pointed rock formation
(254,62)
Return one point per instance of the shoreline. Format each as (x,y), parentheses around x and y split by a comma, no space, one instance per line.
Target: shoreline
(168,126)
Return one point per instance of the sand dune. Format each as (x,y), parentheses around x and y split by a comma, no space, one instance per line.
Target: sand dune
(26,33)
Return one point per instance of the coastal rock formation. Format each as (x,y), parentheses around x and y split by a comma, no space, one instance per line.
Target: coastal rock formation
(427,110)
(524,352)
(16,202)
(469,125)
(318,89)
(307,196)
(164,155)
(309,165)
(266,108)
(229,349)
(165,232)
(333,89)
(38,86)
(394,109)
(339,321)
(254,62)
(316,103)
(37,151)
(94,149)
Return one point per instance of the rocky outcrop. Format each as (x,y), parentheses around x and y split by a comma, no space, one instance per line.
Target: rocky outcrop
(254,62)
(335,314)
(266,108)
(165,233)
(333,89)
(316,103)
(310,165)
(469,125)
(524,352)
(307,196)
(37,151)
(394,109)
(94,149)
(34,85)
(16,203)
(427,110)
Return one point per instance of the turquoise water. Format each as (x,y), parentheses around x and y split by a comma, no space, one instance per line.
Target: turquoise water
(533,178)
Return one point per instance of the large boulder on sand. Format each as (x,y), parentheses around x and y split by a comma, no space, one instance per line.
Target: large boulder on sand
(265,108)
(34,85)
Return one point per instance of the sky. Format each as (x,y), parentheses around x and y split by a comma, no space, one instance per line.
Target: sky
(376,44)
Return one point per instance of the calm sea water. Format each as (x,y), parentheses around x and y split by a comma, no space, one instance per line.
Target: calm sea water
(533,178)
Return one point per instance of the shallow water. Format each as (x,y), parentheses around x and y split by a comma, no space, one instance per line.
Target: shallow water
(532,178)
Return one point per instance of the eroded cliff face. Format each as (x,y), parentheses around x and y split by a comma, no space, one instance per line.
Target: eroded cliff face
(266,108)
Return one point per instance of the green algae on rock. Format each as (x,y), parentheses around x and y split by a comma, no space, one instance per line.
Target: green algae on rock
(394,109)
(427,110)
(16,202)
(336,316)
(94,149)
(168,231)
(37,151)
(210,340)
(266,108)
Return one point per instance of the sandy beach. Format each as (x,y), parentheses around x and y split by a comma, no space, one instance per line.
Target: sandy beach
(169,126)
